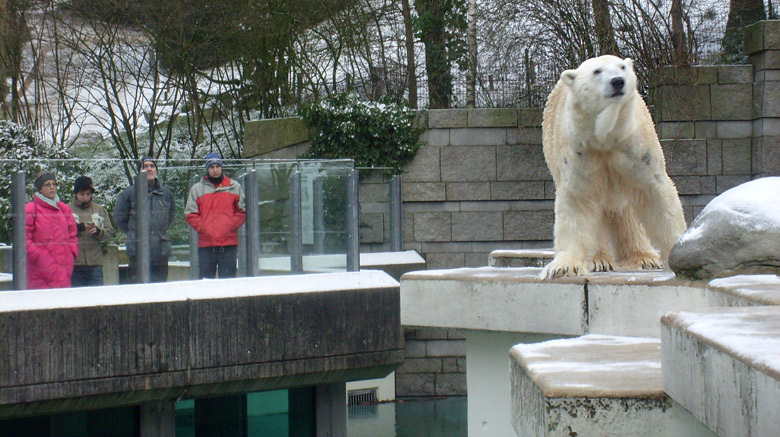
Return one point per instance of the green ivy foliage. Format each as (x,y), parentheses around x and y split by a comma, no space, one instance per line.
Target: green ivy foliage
(374,134)
(22,150)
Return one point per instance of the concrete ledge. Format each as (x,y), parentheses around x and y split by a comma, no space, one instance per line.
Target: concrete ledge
(723,365)
(394,264)
(520,258)
(594,385)
(70,349)
(516,300)
(744,290)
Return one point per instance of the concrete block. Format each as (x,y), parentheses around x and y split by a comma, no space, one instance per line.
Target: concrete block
(492,299)
(727,182)
(549,190)
(529,117)
(705,129)
(425,167)
(735,74)
(408,229)
(415,207)
(468,191)
(485,206)
(676,130)
(627,304)
(414,349)
(448,247)
(685,157)
(421,365)
(723,365)
(423,333)
(468,163)
(492,117)
(687,185)
(517,190)
(769,99)
(423,192)
(754,38)
(478,136)
(706,74)
(594,386)
(684,102)
(372,228)
(734,129)
(532,205)
(436,261)
(744,290)
(270,135)
(374,192)
(415,384)
(435,137)
(524,135)
(447,118)
(432,226)
(714,157)
(528,225)
(708,185)
(520,258)
(732,101)
(737,156)
(477,226)
(521,163)
(451,384)
(450,365)
(446,348)
(475,259)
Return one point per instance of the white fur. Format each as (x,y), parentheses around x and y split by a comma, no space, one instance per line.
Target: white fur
(614,202)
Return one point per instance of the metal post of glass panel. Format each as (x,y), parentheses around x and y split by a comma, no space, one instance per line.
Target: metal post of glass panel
(142,222)
(319,219)
(19,253)
(396,215)
(252,223)
(194,259)
(296,226)
(353,223)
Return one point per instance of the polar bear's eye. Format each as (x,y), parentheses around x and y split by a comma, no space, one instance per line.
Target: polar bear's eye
(622,67)
(597,71)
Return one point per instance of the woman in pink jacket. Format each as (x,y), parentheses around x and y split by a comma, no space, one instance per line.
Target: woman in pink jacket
(52,244)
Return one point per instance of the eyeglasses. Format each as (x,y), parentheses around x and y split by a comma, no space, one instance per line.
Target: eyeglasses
(50,184)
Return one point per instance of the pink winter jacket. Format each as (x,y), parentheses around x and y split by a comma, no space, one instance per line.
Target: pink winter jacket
(52,245)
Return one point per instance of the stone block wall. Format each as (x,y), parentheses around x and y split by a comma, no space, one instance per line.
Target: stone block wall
(434,363)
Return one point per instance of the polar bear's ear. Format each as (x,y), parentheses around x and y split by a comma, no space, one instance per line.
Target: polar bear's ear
(629,63)
(568,77)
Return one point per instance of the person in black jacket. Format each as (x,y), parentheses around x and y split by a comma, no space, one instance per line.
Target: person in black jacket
(162,209)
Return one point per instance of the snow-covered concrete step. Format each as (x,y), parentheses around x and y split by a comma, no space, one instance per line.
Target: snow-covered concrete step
(744,290)
(520,258)
(516,300)
(594,385)
(723,365)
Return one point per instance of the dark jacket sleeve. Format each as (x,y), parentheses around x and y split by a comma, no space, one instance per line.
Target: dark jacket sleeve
(122,210)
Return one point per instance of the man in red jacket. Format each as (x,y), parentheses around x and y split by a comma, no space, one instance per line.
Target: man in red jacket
(215,209)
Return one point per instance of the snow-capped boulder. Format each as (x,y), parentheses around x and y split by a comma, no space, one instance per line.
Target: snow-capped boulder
(738,232)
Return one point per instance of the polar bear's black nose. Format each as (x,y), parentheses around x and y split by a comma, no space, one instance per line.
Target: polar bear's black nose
(617,83)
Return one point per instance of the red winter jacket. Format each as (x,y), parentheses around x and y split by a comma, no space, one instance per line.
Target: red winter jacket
(52,245)
(216,212)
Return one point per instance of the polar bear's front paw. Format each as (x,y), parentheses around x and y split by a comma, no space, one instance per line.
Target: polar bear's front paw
(562,267)
(644,262)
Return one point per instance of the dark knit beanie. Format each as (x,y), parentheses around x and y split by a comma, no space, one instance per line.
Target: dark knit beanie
(144,159)
(43,177)
(83,183)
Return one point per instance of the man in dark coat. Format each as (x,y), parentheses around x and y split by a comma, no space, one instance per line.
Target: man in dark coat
(162,210)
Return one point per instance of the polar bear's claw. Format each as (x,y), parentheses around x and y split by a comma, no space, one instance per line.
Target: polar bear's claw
(602,266)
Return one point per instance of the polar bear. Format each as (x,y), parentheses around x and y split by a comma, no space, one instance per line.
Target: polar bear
(614,203)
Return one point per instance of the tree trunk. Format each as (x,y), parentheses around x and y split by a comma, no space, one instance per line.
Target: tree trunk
(471,77)
(742,13)
(679,41)
(436,63)
(411,71)
(605,34)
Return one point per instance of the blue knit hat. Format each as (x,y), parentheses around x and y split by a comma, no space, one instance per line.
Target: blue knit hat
(213,158)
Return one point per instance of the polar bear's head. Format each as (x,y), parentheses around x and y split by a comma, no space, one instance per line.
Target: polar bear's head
(599,82)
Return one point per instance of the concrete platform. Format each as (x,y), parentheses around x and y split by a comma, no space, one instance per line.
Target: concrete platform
(744,290)
(516,300)
(594,385)
(520,258)
(723,365)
